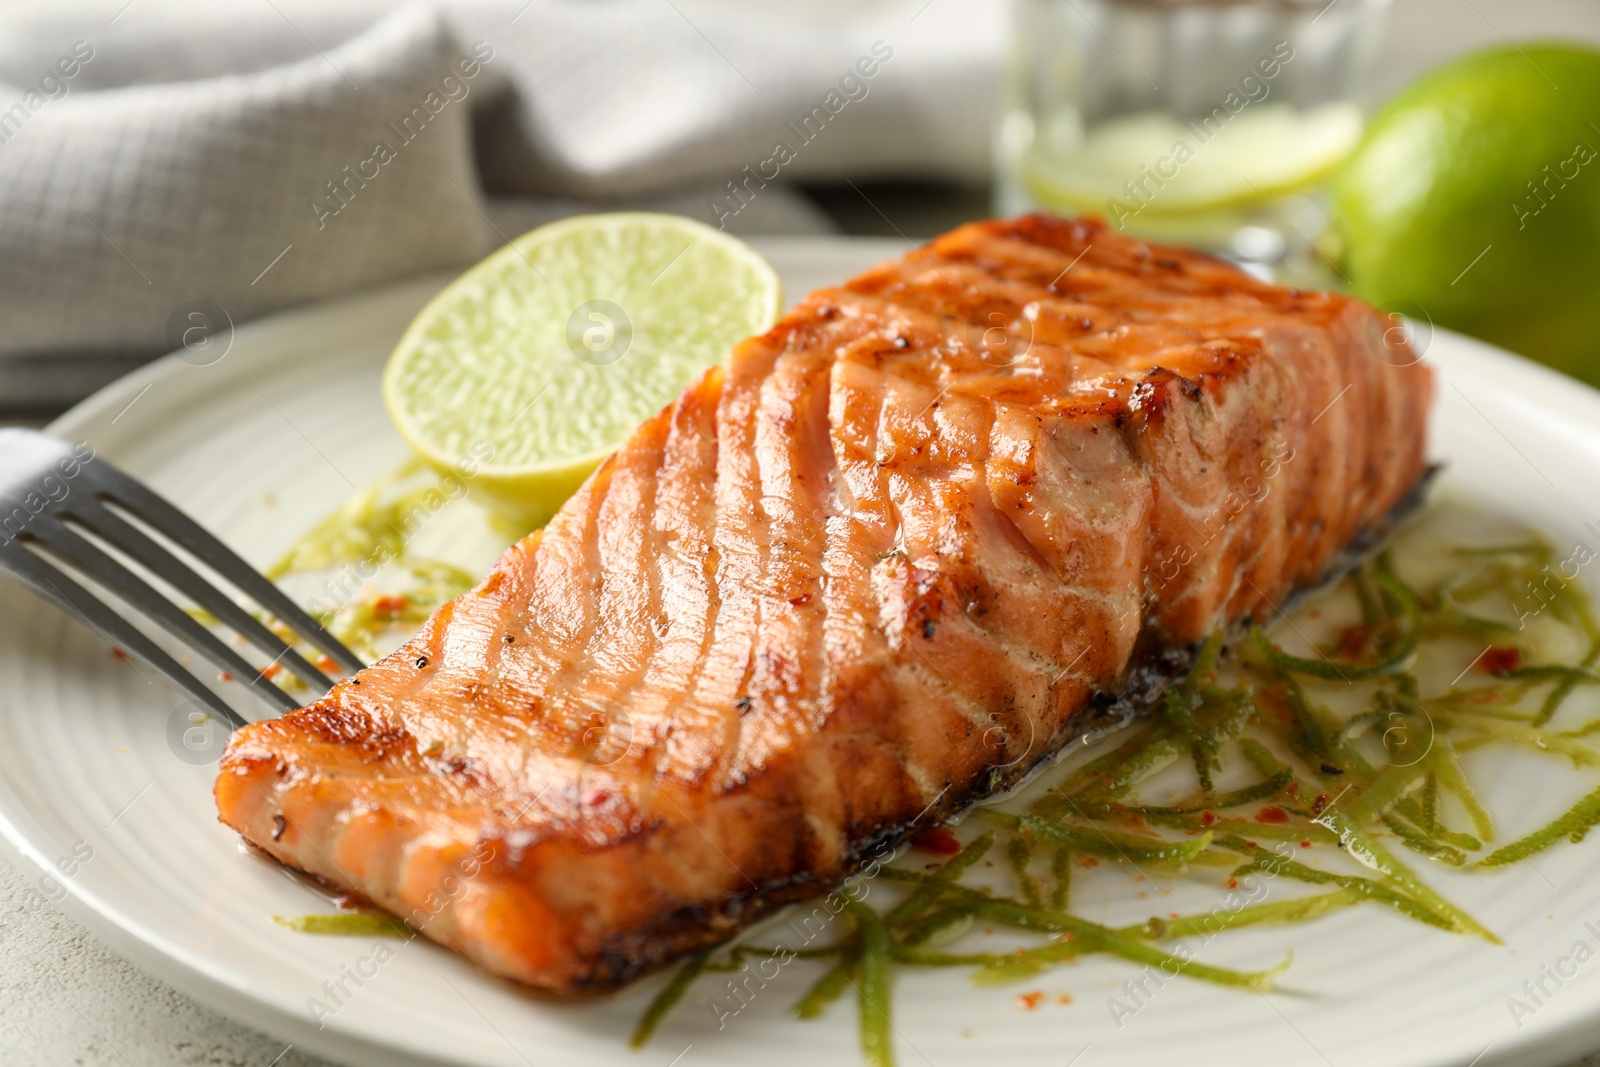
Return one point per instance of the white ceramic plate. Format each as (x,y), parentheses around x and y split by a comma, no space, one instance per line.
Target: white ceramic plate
(263,443)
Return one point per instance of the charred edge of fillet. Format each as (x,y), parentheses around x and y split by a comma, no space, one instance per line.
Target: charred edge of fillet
(1154,667)
(693,929)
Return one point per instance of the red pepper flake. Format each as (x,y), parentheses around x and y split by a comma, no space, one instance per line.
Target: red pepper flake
(1029,1001)
(1062,998)
(325,663)
(595,798)
(1208,818)
(1354,640)
(938,839)
(117,653)
(1090,861)
(1272,813)
(271,670)
(1293,789)
(1305,844)
(1233,883)
(800,601)
(389,605)
(1501,660)
(1320,804)
(224,677)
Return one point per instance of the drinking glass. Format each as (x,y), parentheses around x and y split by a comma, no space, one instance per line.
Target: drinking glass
(1213,123)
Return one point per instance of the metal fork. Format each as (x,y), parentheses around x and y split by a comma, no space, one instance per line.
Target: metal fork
(52,493)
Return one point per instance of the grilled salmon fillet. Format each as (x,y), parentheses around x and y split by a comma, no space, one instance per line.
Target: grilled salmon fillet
(879,564)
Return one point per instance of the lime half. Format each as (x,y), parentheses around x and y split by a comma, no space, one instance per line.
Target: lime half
(531,367)
(1154,162)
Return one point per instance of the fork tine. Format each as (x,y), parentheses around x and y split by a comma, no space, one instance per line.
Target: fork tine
(116,631)
(89,558)
(129,538)
(147,506)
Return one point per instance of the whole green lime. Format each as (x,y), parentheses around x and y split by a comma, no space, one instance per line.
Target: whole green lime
(1474,198)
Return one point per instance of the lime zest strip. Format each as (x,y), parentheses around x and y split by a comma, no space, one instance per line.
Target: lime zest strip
(1366,850)
(1574,825)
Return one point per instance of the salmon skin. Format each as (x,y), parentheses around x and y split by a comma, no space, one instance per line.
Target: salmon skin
(890,556)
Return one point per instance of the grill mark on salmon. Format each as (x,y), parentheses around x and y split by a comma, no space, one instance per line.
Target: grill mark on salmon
(935,524)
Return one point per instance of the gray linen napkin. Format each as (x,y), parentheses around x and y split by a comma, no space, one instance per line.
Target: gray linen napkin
(166,171)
